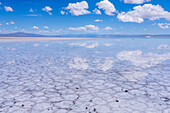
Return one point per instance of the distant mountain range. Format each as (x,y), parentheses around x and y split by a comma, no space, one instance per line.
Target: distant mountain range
(22,34)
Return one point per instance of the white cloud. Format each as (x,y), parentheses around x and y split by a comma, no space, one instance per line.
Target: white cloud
(62,12)
(108,28)
(77,29)
(8,23)
(0,3)
(164,25)
(12,22)
(35,27)
(57,31)
(148,11)
(91,27)
(98,20)
(96,11)
(136,1)
(31,10)
(78,8)
(46,27)
(47,9)
(85,28)
(8,9)
(43,31)
(107,6)
(33,15)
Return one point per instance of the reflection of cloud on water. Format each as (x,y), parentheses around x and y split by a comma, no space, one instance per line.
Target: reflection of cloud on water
(77,76)
(92,45)
(137,58)
(46,45)
(98,52)
(81,63)
(143,61)
(86,44)
(35,45)
(134,74)
(137,72)
(78,63)
(108,44)
(11,62)
(108,63)
(13,49)
(162,46)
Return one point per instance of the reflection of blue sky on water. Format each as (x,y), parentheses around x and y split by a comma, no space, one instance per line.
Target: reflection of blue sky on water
(129,56)
(84,75)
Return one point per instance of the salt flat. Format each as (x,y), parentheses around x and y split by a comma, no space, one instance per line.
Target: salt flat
(85,76)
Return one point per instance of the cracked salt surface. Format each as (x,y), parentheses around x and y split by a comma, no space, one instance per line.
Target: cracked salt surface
(101,76)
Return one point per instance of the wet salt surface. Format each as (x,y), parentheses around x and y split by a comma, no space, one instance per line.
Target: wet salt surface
(94,76)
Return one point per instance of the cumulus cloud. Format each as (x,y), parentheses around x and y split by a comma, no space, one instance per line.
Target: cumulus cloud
(12,22)
(91,27)
(62,12)
(98,20)
(8,9)
(108,28)
(77,29)
(31,10)
(148,11)
(85,28)
(107,6)
(57,31)
(78,8)
(96,11)
(45,27)
(47,9)
(35,27)
(136,1)
(33,15)
(164,25)
(43,31)
(8,23)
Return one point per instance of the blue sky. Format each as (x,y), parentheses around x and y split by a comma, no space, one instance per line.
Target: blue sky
(85,16)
